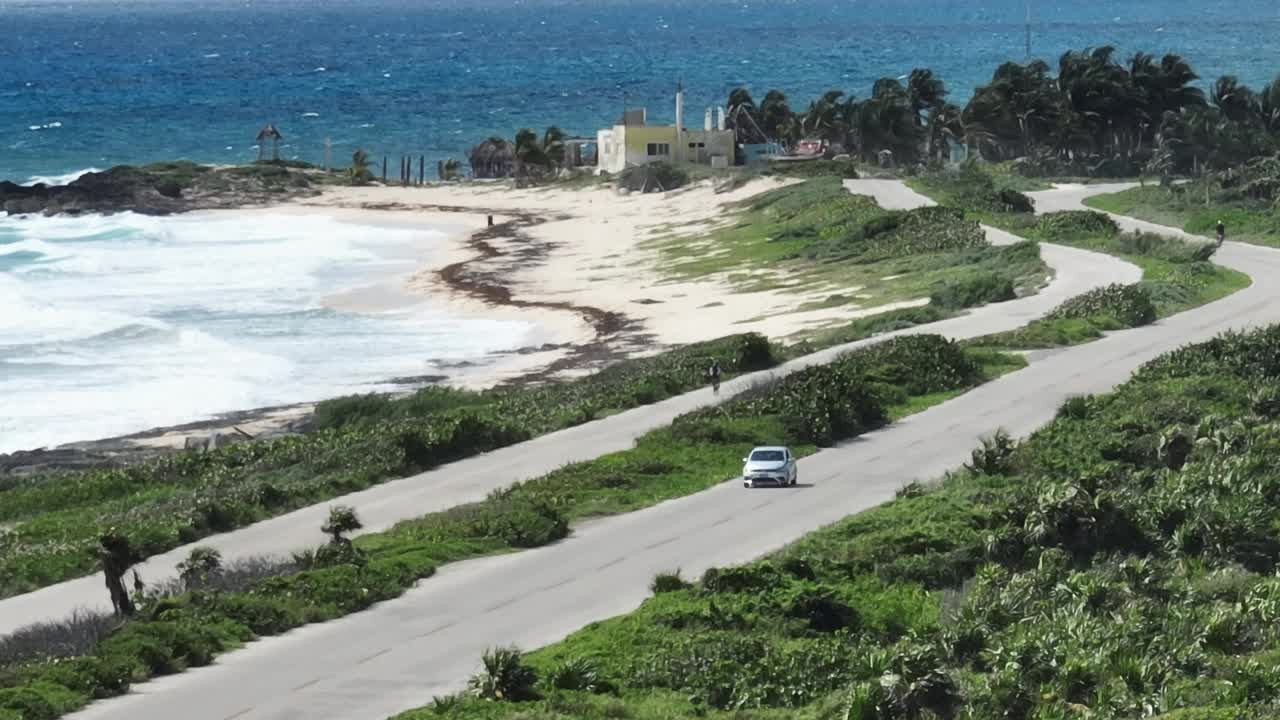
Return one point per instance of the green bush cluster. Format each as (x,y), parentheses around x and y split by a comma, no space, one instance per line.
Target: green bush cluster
(359,441)
(1066,224)
(836,225)
(1130,305)
(654,177)
(972,188)
(843,169)
(973,290)
(824,404)
(1121,562)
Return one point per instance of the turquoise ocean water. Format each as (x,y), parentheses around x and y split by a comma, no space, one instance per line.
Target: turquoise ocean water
(90,83)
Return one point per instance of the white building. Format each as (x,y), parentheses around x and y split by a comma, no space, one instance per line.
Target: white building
(634,142)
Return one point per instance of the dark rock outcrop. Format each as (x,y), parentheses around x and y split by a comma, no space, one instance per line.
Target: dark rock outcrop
(161,189)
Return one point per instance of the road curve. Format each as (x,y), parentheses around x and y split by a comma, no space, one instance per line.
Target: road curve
(427,642)
(470,480)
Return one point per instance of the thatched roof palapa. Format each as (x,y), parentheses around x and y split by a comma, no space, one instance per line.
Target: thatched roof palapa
(493,158)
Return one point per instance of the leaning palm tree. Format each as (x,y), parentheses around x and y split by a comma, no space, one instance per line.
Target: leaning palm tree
(926,92)
(1235,100)
(1269,107)
(528,153)
(117,555)
(553,146)
(360,166)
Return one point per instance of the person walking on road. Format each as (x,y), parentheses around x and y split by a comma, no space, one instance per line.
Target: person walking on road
(714,374)
(1222,233)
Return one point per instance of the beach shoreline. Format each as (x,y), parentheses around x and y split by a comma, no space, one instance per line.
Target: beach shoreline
(569,261)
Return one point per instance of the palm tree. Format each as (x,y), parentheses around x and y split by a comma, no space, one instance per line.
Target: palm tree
(825,117)
(740,100)
(943,124)
(528,152)
(553,146)
(117,555)
(1269,107)
(776,119)
(1161,87)
(1235,101)
(342,520)
(926,93)
(1011,113)
(360,166)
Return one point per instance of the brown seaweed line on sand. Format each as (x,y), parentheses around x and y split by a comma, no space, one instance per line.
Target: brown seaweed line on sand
(615,333)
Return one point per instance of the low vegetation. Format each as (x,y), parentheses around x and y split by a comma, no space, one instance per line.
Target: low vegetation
(49,523)
(1177,275)
(57,668)
(1244,200)
(815,236)
(1119,563)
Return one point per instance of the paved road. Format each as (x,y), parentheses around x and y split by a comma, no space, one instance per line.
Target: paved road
(401,653)
(472,479)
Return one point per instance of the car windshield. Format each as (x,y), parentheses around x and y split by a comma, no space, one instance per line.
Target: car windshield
(766,456)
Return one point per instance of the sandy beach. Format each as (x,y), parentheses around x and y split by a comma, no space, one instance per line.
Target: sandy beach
(574,262)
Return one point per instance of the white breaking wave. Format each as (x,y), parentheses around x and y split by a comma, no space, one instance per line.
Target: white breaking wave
(116,324)
(60,179)
(46,126)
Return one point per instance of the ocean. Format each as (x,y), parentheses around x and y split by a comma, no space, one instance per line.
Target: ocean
(112,325)
(118,324)
(92,83)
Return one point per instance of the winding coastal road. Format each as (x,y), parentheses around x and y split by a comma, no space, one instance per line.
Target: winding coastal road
(470,480)
(427,642)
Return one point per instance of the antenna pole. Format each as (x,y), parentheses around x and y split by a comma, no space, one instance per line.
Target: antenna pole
(1028,29)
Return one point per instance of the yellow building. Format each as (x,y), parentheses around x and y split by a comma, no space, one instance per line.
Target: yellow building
(634,142)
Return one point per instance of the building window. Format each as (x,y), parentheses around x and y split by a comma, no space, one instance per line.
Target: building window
(696,146)
(659,149)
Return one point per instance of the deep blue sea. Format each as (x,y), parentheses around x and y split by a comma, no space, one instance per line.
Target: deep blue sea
(91,83)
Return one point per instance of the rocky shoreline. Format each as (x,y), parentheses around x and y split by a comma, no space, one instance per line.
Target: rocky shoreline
(165,189)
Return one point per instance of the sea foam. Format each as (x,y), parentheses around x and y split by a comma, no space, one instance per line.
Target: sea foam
(60,179)
(116,324)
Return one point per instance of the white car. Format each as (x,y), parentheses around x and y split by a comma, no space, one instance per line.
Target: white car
(774,465)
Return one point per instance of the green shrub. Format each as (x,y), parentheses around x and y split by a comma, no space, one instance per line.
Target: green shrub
(577,675)
(1014,201)
(821,609)
(653,177)
(341,411)
(1131,305)
(1071,224)
(37,701)
(505,677)
(973,290)
(668,582)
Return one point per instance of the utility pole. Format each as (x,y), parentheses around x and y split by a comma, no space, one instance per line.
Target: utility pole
(1028,30)
(328,153)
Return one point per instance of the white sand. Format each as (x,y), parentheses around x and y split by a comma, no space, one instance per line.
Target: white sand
(598,259)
